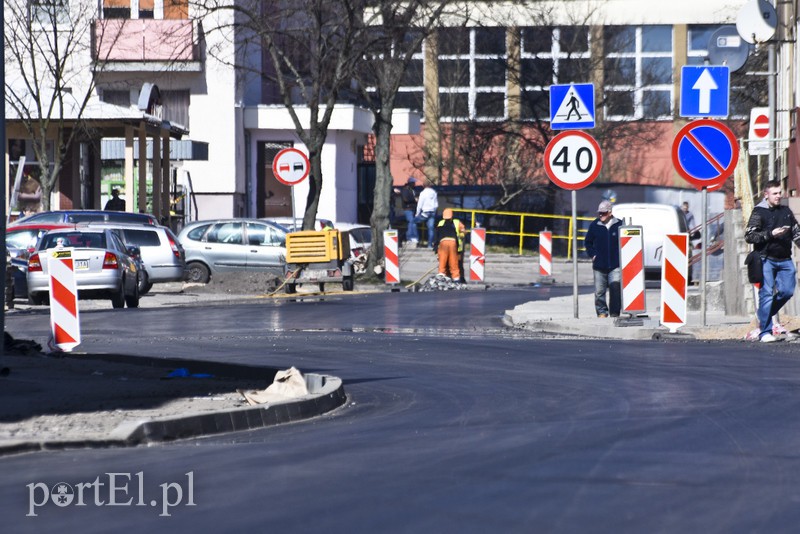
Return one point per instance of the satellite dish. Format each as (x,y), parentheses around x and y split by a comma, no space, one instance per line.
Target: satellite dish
(757,21)
(726,47)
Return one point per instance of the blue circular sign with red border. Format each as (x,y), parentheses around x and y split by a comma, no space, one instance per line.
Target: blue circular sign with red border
(705,153)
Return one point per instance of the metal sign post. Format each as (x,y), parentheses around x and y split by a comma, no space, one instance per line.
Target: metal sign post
(575,252)
(704,258)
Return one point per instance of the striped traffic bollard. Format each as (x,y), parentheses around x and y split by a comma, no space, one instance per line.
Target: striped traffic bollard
(631,259)
(65,325)
(546,253)
(477,258)
(390,240)
(674,280)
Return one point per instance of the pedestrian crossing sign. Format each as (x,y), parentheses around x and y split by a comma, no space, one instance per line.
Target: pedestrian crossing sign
(572,106)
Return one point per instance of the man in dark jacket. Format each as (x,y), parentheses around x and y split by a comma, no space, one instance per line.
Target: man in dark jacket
(771,230)
(602,245)
(409,198)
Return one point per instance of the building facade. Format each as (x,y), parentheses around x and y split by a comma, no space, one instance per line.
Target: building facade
(488,69)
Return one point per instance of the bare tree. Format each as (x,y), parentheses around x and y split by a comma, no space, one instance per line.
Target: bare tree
(396,30)
(49,79)
(311,47)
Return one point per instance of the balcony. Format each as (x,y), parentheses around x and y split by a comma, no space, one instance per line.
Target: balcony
(145,45)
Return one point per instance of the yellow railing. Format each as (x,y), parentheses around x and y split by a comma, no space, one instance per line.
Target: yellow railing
(522,217)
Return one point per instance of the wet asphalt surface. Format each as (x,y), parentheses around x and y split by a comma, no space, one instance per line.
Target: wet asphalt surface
(454,424)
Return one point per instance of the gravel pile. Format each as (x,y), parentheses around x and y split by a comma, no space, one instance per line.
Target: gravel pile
(441,283)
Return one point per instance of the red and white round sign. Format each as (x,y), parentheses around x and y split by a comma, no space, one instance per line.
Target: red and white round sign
(761,126)
(290,166)
(573,159)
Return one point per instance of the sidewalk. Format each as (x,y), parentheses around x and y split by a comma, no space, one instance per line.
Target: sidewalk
(557,316)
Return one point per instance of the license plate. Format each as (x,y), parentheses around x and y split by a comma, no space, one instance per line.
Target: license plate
(315,274)
(81,264)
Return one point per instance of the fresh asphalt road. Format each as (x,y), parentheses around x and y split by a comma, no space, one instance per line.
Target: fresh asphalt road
(469,430)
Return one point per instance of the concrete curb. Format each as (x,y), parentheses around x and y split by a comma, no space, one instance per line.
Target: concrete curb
(327,398)
(326,394)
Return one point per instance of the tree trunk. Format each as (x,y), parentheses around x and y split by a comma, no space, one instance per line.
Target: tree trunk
(379,221)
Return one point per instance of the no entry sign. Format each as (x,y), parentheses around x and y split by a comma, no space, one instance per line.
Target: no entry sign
(704,153)
(758,137)
(290,166)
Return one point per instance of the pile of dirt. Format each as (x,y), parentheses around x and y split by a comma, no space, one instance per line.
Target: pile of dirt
(240,283)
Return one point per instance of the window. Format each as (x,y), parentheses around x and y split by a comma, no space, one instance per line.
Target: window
(175,104)
(472,73)
(142,238)
(551,55)
(116,97)
(638,71)
(228,232)
(50,12)
(410,94)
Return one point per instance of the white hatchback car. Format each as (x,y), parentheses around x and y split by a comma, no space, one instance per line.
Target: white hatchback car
(162,256)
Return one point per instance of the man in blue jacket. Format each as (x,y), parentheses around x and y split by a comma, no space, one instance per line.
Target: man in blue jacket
(602,245)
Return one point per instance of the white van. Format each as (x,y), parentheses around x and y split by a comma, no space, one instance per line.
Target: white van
(656,220)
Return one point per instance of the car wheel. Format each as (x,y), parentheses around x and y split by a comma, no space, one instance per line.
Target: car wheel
(37,299)
(118,297)
(290,288)
(132,301)
(198,273)
(144,283)
(347,283)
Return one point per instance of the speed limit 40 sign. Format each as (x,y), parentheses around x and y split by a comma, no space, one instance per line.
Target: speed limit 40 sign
(573,159)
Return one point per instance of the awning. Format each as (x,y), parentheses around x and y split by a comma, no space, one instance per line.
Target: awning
(179,150)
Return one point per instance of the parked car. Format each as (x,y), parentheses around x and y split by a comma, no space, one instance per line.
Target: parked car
(104,266)
(228,245)
(161,254)
(78,216)
(21,241)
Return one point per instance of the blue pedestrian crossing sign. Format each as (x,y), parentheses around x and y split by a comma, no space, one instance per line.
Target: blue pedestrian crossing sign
(705,90)
(572,106)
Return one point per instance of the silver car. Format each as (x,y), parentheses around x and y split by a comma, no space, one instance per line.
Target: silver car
(103,266)
(228,245)
(161,254)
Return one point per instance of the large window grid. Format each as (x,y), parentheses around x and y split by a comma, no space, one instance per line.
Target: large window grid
(472,74)
(638,71)
(550,56)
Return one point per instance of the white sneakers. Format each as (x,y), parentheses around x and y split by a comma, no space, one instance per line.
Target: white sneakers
(768,338)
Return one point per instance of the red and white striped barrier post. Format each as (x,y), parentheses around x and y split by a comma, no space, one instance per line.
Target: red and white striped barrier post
(631,259)
(546,253)
(477,258)
(392,260)
(65,325)
(674,280)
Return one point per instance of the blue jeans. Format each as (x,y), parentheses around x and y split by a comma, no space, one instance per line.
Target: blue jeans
(429,219)
(776,290)
(411,230)
(607,281)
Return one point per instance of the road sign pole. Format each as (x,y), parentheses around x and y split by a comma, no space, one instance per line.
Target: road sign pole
(575,252)
(771,101)
(704,258)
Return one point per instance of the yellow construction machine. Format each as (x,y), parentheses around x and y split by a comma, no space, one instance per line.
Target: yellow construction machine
(318,257)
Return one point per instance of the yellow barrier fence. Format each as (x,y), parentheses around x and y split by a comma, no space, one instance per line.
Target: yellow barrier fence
(521,218)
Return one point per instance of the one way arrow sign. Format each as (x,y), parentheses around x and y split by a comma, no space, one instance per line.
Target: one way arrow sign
(705,91)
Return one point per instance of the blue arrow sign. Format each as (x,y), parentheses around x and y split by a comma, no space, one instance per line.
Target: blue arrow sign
(705,91)
(572,106)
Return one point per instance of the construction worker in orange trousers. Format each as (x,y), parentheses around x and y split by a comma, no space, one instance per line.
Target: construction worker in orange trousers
(448,244)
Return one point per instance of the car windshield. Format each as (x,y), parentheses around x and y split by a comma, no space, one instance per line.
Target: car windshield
(20,239)
(73,239)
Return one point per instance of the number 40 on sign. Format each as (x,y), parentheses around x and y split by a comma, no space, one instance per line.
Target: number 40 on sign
(573,160)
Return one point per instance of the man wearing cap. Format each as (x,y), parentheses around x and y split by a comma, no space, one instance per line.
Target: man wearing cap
(409,198)
(602,245)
